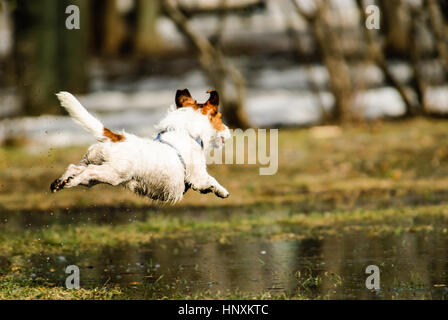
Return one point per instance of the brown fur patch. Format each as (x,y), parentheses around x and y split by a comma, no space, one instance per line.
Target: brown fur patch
(216,121)
(214,116)
(112,136)
(188,102)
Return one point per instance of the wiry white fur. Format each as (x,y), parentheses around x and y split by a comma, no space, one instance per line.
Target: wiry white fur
(80,115)
(146,166)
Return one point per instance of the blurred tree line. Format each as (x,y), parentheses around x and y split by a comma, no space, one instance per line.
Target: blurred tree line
(47,57)
(413,31)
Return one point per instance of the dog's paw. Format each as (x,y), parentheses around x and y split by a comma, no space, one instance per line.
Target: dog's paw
(56,185)
(222,193)
(59,184)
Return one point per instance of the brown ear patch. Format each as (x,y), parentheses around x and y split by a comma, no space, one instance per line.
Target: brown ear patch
(210,108)
(112,136)
(184,99)
(214,98)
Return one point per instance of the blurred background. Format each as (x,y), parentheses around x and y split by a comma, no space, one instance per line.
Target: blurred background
(274,62)
(362,148)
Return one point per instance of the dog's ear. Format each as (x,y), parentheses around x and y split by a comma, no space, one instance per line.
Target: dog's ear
(211,109)
(214,99)
(183,98)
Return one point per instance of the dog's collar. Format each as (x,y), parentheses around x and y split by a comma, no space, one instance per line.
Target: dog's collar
(197,139)
(159,138)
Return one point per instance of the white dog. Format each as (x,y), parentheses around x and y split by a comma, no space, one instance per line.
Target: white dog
(163,168)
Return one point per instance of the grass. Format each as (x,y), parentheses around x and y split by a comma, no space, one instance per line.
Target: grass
(19,287)
(280,223)
(382,178)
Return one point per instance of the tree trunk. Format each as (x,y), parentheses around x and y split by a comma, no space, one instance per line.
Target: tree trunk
(147,39)
(48,57)
(108,28)
(418,82)
(438,29)
(377,56)
(333,58)
(396,25)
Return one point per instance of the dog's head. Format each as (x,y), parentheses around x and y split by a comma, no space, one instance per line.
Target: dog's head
(209,125)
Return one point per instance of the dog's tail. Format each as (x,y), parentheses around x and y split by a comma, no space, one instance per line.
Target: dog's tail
(86,120)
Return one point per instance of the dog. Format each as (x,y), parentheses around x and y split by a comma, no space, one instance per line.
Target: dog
(162,168)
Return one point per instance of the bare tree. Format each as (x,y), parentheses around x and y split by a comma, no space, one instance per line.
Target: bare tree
(333,57)
(438,29)
(376,53)
(147,40)
(299,52)
(226,78)
(395,25)
(418,81)
(43,65)
(108,28)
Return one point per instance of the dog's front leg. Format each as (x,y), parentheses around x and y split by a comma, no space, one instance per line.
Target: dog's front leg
(205,183)
(218,189)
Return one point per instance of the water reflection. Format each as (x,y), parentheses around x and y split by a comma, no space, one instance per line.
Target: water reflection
(412,265)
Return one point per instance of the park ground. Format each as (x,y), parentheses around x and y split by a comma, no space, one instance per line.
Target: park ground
(381,182)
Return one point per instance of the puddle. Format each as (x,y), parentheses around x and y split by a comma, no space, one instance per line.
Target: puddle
(108,216)
(412,266)
(35,219)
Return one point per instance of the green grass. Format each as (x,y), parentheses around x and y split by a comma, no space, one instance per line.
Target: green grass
(19,287)
(274,223)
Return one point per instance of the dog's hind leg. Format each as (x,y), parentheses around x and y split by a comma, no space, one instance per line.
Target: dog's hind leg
(94,174)
(93,156)
(70,173)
